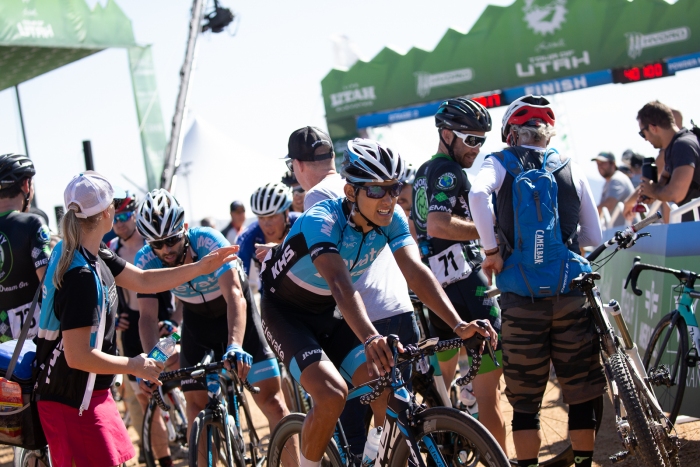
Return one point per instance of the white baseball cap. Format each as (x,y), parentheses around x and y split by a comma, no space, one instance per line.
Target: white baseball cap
(91,192)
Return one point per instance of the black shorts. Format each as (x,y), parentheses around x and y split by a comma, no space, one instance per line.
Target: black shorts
(469,299)
(300,338)
(201,334)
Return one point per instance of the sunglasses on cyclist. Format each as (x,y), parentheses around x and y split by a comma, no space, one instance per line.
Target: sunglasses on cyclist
(123,216)
(170,241)
(472,141)
(379,192)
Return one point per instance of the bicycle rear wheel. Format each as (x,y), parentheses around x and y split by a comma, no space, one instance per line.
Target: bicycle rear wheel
(647,450)
(288,429)
(209,441)
(668,346)
(459,438)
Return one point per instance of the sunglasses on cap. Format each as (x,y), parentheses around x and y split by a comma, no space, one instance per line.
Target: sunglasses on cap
(473,141)
(379,192)
(123,216)
(170,241)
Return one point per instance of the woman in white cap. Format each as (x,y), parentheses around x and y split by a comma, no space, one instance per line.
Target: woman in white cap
(76,350)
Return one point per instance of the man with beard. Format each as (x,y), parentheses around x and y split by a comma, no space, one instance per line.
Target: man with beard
(219,312)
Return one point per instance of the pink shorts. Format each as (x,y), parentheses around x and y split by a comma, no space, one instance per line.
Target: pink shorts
(97,438)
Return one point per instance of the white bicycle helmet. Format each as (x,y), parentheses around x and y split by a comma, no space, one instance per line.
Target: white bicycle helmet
(271,199)
(367,161)
(409,175)
(160,216)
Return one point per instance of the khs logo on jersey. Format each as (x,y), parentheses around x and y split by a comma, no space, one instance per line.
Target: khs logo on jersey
(279,265)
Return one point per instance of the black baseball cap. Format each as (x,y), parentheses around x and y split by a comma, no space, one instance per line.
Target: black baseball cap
(605,157)
(236,205)
(304,142)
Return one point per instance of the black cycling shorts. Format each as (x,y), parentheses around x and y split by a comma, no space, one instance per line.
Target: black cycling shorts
(201,334)
(300,338)
(468,296)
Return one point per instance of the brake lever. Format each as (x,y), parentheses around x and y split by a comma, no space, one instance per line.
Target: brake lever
(636,260)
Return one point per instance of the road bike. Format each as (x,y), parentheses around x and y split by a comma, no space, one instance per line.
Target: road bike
(217,430)
(412,433)
(175,420)
(668,356)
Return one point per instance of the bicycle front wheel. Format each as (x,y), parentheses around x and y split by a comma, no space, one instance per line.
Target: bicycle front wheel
(459,438)
(165,433)
(286,440)
(668,346)
(648,452)
(211,446)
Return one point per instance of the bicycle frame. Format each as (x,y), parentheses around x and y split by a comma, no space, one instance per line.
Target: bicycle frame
(236,400)
(685,309)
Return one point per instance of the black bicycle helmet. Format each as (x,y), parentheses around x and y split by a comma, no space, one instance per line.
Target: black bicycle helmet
(14,168)
(367,161)
(463,115)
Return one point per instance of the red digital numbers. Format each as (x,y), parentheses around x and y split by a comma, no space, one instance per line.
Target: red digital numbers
(639,73)
(490,101)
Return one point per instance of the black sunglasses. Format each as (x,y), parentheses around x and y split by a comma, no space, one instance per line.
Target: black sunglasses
(641,132)
(379,192)
(170,241)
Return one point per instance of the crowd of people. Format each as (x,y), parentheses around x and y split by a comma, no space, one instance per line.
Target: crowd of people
(333,261)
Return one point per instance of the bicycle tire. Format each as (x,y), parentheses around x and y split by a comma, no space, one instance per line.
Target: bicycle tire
(204,420)
(647,450)
(661,351)
(31,458)
(180,426)
(290,426)
(472,435)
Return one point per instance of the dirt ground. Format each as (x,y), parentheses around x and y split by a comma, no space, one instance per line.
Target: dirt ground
(606,443)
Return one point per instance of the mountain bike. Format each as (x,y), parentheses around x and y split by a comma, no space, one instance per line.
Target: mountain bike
(645,431)
(412,433)
(217,428)
(667,355)
(175,419)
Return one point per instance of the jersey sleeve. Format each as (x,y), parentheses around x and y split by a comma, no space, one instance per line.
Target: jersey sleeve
(145,259)
(399,234)
(40,243)
(206,240)
(246,240)
(321,229)
(115,263)
(76,300)
(444,185)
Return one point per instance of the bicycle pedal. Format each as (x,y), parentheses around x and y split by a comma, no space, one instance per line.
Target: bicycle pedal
(620,456)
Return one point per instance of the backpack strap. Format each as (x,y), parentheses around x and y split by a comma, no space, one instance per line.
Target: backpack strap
(25,330)
(553,162)
(509,161)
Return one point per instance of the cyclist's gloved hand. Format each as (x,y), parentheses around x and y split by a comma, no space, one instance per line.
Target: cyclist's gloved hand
(242,359)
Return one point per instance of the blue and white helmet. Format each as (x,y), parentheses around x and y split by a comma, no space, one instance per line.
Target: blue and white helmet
(160,215)
(367,161)
(271,199)
(409,175)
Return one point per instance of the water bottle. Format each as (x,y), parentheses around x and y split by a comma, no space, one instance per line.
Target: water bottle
(371,446)
(164,348)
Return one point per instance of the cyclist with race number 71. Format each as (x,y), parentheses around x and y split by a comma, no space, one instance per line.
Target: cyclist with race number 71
(541,199)
(327,249)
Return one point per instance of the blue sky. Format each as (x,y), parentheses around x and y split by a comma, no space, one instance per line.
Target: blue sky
(253,89)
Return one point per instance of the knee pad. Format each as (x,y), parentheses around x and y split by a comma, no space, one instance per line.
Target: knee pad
(583,416)
(526,421)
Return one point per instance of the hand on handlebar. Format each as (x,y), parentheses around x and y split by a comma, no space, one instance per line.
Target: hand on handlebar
(481,327)
(379,356)
(236,357)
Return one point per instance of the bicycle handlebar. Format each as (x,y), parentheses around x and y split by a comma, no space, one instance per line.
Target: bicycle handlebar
(195,372)
(638,267)
(625,238)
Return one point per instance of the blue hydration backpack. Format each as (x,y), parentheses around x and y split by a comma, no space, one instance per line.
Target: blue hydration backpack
(540,265)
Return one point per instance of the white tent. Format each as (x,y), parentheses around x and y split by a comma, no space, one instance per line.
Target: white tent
(215,170)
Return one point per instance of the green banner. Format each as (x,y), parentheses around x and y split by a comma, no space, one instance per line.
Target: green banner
(667,247)
(37,36)
(527,42)
(151,128)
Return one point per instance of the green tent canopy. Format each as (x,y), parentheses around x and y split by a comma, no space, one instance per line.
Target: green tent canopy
(530,41)
(37,36)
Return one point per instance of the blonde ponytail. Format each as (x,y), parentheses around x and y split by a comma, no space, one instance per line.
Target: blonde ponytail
(72,228)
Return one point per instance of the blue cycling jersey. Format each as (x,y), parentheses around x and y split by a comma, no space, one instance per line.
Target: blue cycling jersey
(250,236)
(289,272)
(203,240)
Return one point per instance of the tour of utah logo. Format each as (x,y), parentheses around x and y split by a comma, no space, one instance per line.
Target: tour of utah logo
(545,17)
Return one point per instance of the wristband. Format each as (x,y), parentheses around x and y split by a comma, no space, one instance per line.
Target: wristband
(454,329)
(496,250)
(372,338)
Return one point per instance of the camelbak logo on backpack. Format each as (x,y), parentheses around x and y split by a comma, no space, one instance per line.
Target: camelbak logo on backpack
(540,263)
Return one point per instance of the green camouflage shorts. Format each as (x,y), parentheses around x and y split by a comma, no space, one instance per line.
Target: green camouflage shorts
(558,330)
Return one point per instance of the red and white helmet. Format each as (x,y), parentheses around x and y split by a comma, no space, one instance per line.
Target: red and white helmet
(527,110)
